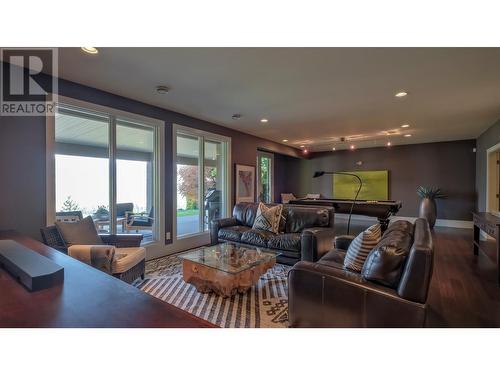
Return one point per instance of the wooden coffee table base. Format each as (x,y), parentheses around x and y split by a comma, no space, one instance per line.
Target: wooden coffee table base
(208,279)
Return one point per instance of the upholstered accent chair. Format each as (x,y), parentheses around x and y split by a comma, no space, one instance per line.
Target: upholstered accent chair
(129,263)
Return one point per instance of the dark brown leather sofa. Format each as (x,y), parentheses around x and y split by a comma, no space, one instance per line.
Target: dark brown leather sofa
(390,291)
(306,234)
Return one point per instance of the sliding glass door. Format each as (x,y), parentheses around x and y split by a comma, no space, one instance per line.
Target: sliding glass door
(106,167)
(201,180)
(188,185)
(214,181)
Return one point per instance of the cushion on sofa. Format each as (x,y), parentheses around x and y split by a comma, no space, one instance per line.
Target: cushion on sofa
(268,218)
(401,226)
(245,212)
(334,258)
(300,218)
(385,262)
(257,237)
(233,233)
(81,232)
(361,246)
(285,241)
(284,218)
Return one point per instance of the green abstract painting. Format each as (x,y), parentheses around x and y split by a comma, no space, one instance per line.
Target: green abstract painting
(375,185)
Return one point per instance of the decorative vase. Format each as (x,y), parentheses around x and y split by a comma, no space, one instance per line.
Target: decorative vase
(428,210)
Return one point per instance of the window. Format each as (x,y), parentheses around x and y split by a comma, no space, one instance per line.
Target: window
(201,181)
(265,171)
(106,166)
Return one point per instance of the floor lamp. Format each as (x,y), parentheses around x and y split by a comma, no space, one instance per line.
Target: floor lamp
(321,173)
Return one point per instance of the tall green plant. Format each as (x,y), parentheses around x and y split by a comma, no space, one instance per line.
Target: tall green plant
(430,192)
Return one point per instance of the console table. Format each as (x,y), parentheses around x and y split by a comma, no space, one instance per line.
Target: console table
(490,224)
(87,298)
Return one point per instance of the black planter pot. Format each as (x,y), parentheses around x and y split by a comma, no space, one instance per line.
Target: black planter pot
(428,210)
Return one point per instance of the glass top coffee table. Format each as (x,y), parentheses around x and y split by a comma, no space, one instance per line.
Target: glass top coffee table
(226,268)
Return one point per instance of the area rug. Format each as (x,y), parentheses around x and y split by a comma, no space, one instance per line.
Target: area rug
(263,306)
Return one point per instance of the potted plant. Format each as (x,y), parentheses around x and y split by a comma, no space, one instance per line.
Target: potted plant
(428,209)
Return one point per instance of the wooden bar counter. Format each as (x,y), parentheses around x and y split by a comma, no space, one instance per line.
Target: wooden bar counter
(87,298)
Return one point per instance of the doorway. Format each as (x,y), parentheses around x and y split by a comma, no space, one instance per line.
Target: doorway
(201,184)
(493,179)
(265,177)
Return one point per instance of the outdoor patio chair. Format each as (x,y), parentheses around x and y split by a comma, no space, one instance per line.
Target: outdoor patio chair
(69,216)
(139,221)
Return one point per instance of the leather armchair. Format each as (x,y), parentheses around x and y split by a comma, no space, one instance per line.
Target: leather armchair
(325,294)
(315,242)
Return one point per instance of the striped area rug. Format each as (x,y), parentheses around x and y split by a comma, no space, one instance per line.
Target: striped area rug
(264,306)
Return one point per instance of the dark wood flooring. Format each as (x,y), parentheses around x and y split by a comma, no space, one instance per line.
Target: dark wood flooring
(463,291)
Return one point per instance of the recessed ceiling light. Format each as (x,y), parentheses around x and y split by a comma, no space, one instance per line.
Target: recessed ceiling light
(90,50)
(333,149)
(401,94)
(285,140)
(264,120)
(352,147)
(405,125)
(236,116)
(162,89)
(407,135)
(302,146)
(389,144)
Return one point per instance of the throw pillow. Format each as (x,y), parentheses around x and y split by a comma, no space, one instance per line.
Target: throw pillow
(268,218)
(361,246)
(283,219)
(81,232)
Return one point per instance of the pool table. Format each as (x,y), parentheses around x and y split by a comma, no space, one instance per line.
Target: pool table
(382,210)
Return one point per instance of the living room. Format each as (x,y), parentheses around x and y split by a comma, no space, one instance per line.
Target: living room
(179,186)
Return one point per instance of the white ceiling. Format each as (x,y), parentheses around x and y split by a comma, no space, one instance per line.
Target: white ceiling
(311,96)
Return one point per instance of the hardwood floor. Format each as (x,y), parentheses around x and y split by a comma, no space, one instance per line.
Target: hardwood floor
(463,291)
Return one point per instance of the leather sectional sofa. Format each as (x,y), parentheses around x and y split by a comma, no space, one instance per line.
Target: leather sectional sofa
(390,291)
(306,233)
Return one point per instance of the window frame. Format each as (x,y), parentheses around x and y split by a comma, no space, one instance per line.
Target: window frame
(114,116)
(201,238)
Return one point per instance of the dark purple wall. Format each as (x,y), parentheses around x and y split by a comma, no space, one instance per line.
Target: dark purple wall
(22,148)
(22,174)
(448,165)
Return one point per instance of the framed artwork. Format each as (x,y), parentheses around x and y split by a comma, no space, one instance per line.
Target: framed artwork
(245,183)
(375,185)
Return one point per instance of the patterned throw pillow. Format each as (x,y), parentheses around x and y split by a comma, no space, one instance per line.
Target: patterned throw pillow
(268,218)
(361,246)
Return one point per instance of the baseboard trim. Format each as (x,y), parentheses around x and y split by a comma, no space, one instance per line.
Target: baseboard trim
(463,224)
